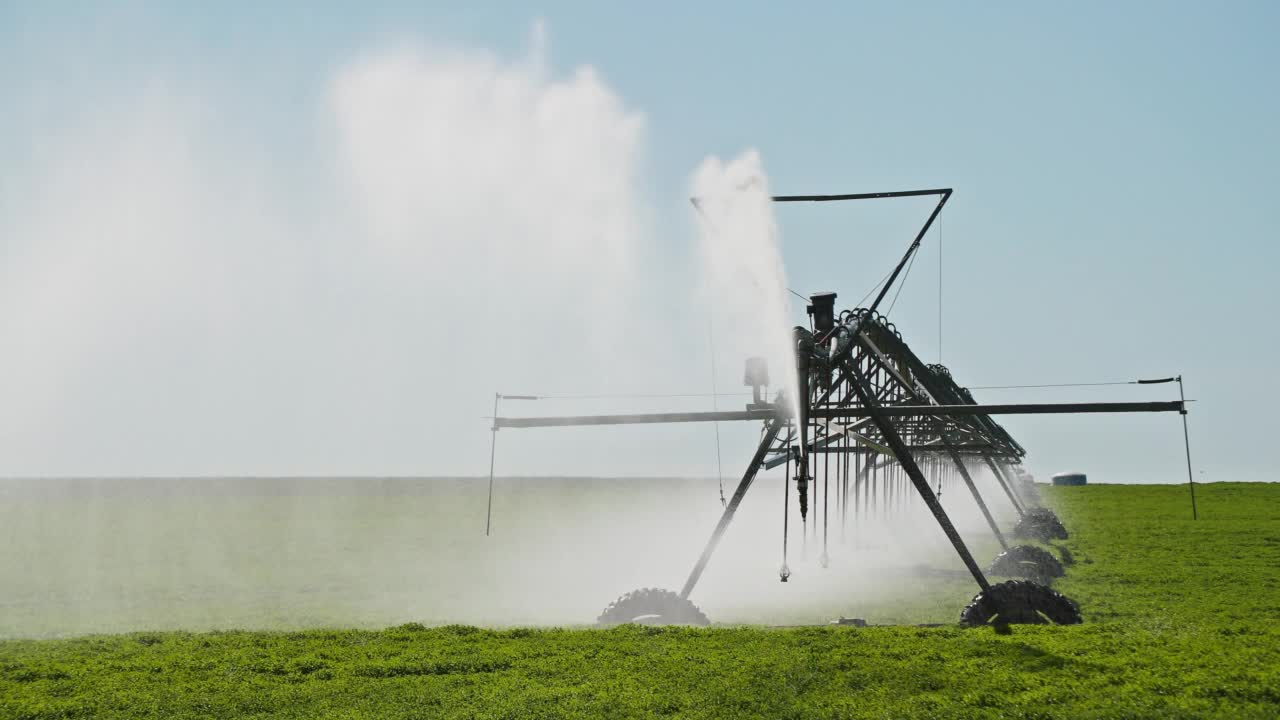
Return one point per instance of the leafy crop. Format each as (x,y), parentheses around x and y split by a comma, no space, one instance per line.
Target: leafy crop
(1182,619)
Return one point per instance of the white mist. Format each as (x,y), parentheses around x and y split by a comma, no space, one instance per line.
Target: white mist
(744,276)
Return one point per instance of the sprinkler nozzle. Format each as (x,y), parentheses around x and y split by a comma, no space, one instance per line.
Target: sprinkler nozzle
(784,572)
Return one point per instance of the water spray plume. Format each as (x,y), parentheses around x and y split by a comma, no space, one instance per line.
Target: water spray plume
(744,275)
(302,306)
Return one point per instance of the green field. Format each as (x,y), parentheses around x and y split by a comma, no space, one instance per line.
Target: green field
(1182,619)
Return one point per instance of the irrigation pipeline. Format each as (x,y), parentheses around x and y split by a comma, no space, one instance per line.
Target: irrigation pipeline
(627,396)
(643,396)
(1066,385)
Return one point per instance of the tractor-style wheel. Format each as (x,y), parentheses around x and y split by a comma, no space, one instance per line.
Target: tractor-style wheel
(1040,524)
(652,606)
(1020,602)
(1027,561)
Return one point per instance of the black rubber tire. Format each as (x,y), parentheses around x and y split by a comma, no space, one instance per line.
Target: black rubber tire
(652,606)
(1027,561)
(1020,602)
(1067,558)
(1040,524)
(1040,514)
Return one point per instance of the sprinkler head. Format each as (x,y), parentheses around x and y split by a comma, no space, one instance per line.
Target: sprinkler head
(784,573)
(825,560)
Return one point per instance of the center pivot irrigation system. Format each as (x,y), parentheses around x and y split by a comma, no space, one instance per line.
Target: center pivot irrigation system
(867,412)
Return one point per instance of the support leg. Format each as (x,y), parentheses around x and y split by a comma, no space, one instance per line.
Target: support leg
(1028,500)
(964,473)
(1004,485)
(493,448)
(894,441)
(1186,439)
(770,434)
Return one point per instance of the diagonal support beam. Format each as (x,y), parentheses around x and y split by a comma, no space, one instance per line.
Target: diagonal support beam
(770,434)
(1004,485)
(1003,467)
(900,451)
(964,473)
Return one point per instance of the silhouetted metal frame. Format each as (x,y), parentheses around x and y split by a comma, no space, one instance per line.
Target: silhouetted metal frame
(849,376)
(804,401)
(943,195)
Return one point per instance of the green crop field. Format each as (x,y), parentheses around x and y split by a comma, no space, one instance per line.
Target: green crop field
(1182,619)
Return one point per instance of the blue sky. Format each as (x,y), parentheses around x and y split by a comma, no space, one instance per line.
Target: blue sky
(1114,167)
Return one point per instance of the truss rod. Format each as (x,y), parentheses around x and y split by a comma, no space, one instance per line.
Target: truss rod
(860,196)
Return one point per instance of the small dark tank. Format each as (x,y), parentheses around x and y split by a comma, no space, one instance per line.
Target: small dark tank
(1070,478)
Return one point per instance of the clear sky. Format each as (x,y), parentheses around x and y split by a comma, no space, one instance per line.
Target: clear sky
(1115,168)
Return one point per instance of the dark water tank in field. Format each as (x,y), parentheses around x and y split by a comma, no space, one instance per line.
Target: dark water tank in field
(1070,479)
